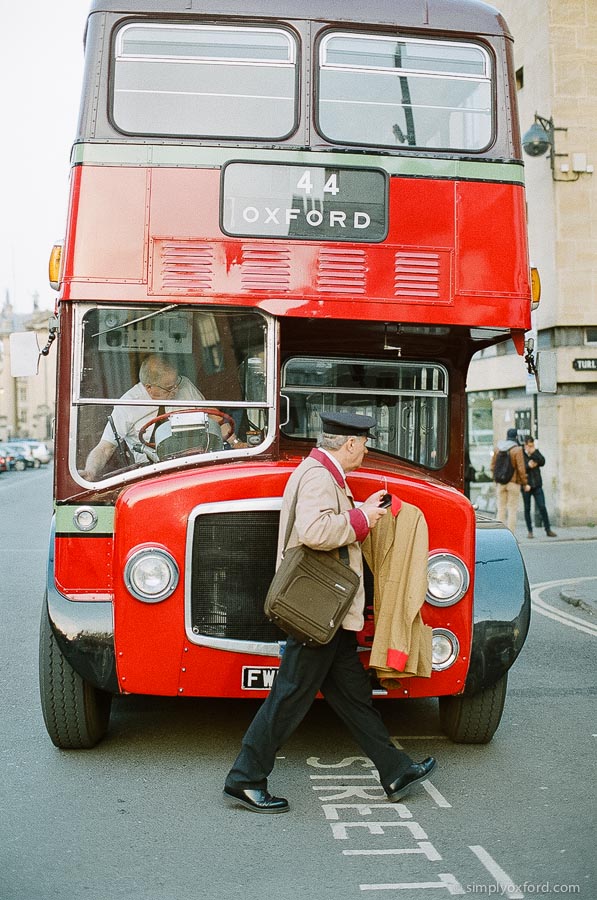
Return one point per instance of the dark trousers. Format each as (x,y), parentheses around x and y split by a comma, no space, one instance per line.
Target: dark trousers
(337,672)
(537,493)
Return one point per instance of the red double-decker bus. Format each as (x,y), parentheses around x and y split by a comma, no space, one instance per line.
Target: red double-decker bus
(276,212)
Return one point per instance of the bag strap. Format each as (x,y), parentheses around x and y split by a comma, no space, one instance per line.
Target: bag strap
(342,551)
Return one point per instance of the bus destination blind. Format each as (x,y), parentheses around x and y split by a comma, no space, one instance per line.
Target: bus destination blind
(304,202)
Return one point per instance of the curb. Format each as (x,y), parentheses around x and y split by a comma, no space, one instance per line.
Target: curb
(578,599)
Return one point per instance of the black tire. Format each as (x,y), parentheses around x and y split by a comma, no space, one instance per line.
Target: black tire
(36,463)
(76,713)
(475,719)
(20,465)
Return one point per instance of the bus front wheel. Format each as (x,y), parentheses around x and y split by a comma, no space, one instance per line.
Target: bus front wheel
(474,719)
(76,713)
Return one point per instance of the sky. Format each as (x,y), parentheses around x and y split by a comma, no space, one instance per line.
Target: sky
(41,65)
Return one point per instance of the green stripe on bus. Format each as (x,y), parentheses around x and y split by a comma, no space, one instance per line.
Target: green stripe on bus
(65,522)
(215,157)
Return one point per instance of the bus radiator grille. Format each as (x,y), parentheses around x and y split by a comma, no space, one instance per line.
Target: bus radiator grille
(233,562)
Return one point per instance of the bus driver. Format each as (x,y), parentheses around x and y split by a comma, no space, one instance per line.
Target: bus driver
(158,383)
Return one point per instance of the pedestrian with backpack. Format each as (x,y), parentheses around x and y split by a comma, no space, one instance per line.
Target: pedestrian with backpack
(509,473)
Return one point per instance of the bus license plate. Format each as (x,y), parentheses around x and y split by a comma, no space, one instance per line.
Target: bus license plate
(258,678)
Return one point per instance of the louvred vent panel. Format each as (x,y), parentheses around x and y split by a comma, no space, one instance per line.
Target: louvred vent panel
(265,268)
(342,271)
(186,266)
(417,275)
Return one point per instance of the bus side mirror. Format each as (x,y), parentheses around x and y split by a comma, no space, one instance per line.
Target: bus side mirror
(24,354)
(547,376)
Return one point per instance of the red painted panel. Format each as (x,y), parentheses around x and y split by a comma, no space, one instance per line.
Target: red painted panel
(422,212)
(109,237)
(83,564)
(154,234)
(194,211)
(490,246)
(152,651)
(213,673)
(150,638)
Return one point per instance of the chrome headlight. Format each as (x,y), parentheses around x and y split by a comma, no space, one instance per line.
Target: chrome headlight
(151,574)
(447,579)
(444,649)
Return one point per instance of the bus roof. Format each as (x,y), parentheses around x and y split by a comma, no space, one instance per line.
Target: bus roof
(471,16)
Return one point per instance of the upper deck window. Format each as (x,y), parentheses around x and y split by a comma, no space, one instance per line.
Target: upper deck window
(205,81)
(404,92)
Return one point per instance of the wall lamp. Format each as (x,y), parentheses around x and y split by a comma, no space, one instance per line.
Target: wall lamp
(540,138)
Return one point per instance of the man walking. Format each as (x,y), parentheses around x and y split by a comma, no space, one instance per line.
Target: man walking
(508,491)
(534,460)
(325,519)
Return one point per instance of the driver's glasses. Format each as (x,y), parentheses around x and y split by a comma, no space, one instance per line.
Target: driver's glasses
(169,390)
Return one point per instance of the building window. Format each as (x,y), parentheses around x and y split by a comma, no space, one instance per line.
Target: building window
(591,335)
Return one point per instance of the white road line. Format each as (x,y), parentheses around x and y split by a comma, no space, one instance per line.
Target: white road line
(550,612)
(446,880)
(433,792)
(558,581)
(505,883)
(346,777)
(424,847)
(560,612)
(331,810)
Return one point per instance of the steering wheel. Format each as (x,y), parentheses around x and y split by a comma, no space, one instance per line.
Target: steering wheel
(222,417)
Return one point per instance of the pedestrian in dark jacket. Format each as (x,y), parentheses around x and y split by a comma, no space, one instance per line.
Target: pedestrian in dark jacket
(534,461)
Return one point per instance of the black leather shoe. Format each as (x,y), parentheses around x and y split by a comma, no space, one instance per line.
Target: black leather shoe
(414,774)
(256,800)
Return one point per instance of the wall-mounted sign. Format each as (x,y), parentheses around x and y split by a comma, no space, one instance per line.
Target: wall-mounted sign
(304,202)
(585,365)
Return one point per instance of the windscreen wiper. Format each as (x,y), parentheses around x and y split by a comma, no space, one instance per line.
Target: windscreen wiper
(151,315)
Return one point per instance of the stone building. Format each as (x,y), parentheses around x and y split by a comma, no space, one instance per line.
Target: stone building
(26,404)
(556,72)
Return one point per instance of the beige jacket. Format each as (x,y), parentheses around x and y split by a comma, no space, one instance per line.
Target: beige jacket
(396,551)
(517,457)
(325,519)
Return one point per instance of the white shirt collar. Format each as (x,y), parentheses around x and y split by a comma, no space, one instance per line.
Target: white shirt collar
(334,461)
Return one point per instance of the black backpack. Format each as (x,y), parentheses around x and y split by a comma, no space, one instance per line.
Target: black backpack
(503,469)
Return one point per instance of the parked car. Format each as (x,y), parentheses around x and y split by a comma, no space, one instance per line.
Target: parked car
(40,450)
(24,457)
(12,459)
(4,464)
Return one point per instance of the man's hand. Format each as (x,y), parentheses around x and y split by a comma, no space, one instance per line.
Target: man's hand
(372,509)
(97,460)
